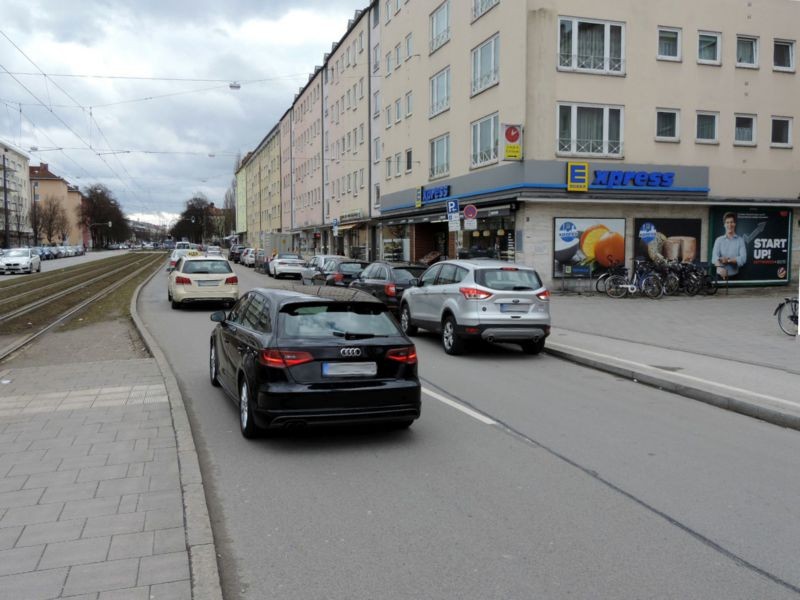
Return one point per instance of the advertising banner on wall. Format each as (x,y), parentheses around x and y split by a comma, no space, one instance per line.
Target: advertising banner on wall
(660,240)
(586,247)
(752,244)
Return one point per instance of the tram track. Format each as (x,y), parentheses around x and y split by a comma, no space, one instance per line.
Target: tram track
(71,304)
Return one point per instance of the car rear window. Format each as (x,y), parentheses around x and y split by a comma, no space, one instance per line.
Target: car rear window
(206,266)
(351,268)
(508,278)
(406,274)
(336,320)
(297,256)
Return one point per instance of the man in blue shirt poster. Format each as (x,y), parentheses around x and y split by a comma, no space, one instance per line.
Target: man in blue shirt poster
(729,253)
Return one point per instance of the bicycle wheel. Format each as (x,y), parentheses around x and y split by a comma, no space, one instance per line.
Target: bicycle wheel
(651,286)
(616,286)
(693,284)
(600,284)
(787,317)
(672,284)
(710,284)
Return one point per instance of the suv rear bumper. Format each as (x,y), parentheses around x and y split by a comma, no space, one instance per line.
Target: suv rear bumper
(504,333)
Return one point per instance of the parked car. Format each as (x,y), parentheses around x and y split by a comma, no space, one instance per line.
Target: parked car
(235,253)
(479,300)
(200,278)
(249,257)
(388,280)
(20,260)
(290,358)
(338,271)
(287,264)
(315,265)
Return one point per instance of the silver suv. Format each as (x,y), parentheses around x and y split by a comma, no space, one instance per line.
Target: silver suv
(479,299)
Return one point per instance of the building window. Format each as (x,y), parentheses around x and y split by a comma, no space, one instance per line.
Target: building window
(361,134)
(361,42)
(747,52)
(484,141)
(398,57)
(440,26)
(440,156)
(389,168)
(485,65)
(440,92)
(376,15)
(409,161)
(708,48)
(409,103)
(398,111)
(398,164)
(707,127)
(376,57)
(479,7)
(388,10)
(669,43)
(596,46)
(667,125)
(376,149)
(781,132)
(376,103)
(783,55)
(388,116)
(590,129)
(745,134)
(409,46)
(388,64)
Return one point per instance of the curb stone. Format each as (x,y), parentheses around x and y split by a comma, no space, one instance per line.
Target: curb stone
(741,402)
(199,537)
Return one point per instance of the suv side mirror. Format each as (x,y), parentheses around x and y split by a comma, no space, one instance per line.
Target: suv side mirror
(218,316)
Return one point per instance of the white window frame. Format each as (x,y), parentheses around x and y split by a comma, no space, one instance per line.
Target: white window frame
(493,157)
(409,160)
(376,58)
(702,61)
(398,164)
(409,104)
(485,81)
(439,105)
(388,116)
(659,56)
(677,136)
(788,144)
(756,50)
(376,102)
(438,40)
(573,66)
(574,150)
(388,63)
(389,167)
(707,113)
(409,45)
(792,56)
(398,110)
(376,150)
(438,171)
(481,7)
(398,57)
(754,141)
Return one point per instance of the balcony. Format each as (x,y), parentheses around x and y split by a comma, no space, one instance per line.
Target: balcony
(481,6)
(440,40)
(441,170)
(439,107)
(593,147)
(485,80)
(484,157)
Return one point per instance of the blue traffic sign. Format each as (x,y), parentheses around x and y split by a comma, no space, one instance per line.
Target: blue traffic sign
(452,207)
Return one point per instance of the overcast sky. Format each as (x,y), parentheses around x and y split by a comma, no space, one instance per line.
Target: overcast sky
(270,46)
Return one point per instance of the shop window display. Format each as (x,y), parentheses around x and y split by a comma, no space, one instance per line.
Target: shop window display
(494,238)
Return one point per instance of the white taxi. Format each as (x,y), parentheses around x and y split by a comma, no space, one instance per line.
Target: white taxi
(198,277)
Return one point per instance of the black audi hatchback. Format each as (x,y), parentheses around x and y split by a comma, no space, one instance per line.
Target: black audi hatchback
(288,357)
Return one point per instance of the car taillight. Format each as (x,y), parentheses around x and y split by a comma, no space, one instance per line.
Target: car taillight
(545,295)
(172,263)
(280,359)
(183,281)
(390,289)
(338,277)
(406,355)
(232,281)
(474,293)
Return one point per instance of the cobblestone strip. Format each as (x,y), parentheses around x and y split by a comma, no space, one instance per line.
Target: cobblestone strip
(203,567)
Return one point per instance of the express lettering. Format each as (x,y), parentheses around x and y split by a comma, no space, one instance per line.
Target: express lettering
(436,193)
(655,179)
(763,247)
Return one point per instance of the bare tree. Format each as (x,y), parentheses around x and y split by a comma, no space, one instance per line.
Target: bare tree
(53,217)
(19,220)
(36,221)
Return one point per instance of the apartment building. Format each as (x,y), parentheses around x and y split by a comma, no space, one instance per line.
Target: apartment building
(287,171)
(306,156)
(15,193)
(49,187)
(555,119)
(262,185)
(241,199)
(346,142)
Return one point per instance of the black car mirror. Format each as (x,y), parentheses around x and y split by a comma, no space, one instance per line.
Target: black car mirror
(218,316)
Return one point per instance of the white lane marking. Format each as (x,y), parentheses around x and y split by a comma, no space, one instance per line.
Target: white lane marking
(681,375)
(458,406)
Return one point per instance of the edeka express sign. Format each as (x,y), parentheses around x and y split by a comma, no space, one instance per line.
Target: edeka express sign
(578,179)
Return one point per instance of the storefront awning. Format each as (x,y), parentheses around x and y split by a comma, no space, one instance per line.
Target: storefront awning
(440,217)
(349,226)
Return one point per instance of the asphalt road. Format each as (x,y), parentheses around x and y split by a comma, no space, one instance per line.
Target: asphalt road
(566,483)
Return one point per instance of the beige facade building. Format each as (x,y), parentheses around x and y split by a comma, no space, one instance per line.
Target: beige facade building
(262,176)
(287,178)
(346,142)
(15,192)
(47,187)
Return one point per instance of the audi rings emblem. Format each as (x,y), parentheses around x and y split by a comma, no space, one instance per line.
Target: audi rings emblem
(350,352)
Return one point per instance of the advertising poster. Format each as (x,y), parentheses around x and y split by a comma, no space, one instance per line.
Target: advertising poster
(587,247)
(751,244)
(660,240)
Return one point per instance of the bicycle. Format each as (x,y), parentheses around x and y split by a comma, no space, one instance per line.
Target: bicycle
(644,280)
(615,269)
(787,316)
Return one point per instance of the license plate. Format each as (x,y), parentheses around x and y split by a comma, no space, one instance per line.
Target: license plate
(208,282)
(523,308)
(365,369)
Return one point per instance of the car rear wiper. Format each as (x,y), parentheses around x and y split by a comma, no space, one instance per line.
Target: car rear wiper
(350,335)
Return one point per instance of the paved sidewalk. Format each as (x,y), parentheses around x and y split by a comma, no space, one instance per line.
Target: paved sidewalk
(725,350)
(90,489)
